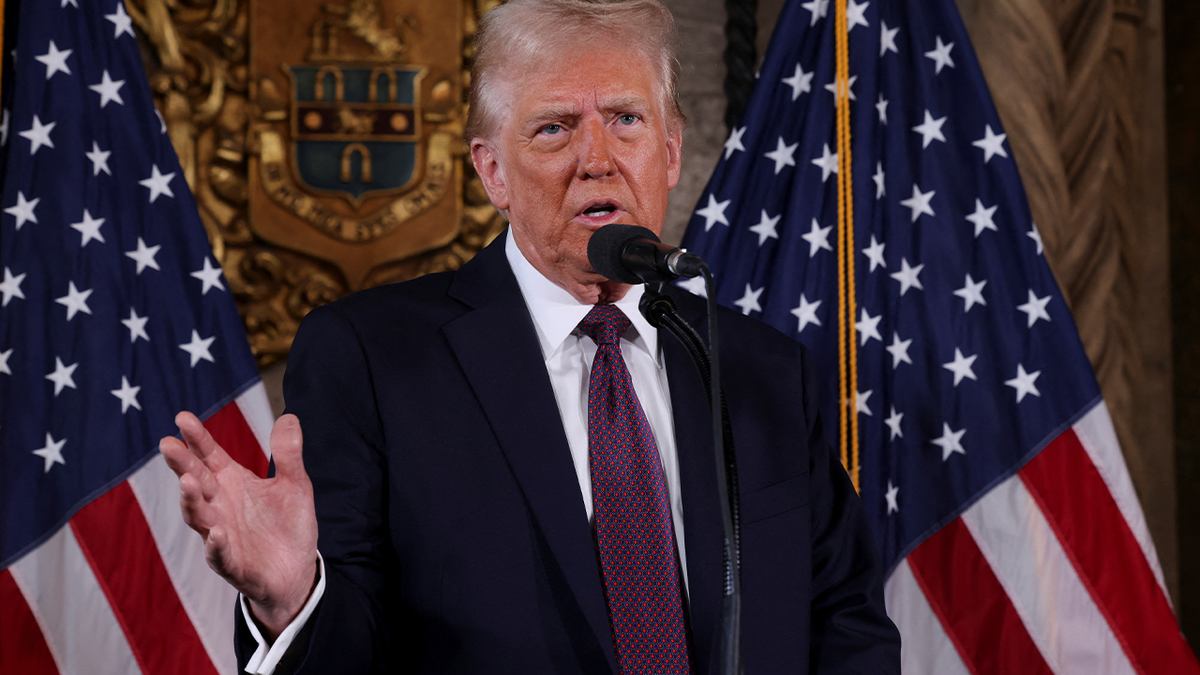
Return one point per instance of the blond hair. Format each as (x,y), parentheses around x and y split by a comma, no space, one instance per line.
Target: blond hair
(526,31)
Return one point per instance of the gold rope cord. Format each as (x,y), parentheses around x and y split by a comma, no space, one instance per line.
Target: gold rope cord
(847,351)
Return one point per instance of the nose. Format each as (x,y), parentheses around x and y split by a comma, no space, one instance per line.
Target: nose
(595,153)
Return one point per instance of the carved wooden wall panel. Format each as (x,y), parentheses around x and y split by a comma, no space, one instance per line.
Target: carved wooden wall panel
(226,115)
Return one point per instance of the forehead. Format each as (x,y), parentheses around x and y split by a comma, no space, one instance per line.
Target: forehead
(598,77)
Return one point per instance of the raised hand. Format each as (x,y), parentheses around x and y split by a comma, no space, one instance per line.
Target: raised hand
(260,534)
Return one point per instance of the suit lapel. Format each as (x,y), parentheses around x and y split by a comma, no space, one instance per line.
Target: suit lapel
(497,347)
(698,479)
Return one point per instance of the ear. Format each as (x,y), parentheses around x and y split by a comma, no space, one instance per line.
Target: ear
(487,165)
(674,155)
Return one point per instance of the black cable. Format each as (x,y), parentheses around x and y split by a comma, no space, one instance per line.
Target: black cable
(741,56)
(659,310)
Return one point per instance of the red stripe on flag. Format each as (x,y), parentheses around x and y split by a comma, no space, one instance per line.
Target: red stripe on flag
(977,614)
(22,647)
(115,538)
(231,432)
(1106,555)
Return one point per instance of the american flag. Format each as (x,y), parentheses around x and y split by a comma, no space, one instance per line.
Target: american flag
(1011,534)
(114,316)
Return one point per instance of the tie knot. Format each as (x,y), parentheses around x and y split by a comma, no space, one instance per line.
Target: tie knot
(605,324)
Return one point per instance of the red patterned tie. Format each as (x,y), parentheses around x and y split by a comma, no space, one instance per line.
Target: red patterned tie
(634,532)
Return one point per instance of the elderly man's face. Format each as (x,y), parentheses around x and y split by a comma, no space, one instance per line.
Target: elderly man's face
(586,142)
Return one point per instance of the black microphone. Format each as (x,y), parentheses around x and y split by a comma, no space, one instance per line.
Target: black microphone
(634,255)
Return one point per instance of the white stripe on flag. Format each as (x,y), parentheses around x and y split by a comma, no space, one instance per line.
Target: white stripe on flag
(1099,439)
(80,628)
(256,409)
(207,598)
(1034,570)
(924,645)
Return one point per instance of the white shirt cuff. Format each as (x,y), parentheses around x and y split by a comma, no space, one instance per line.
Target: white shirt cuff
(267,656)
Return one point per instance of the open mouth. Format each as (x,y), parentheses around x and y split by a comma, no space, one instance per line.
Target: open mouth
(599,210)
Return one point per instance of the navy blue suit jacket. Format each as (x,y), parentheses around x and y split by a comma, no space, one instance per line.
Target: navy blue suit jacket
(451,520)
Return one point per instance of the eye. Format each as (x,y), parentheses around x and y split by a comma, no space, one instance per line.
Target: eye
(550,129)
(628,119)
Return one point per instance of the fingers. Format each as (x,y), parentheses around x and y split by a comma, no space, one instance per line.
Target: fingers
(287,445)
(200,442)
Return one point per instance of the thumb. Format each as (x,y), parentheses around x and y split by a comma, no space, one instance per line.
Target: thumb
(287,445)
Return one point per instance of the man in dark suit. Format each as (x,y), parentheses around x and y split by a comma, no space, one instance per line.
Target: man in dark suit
(458,428)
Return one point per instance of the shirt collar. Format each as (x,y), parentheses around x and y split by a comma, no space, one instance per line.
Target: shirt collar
(556,313)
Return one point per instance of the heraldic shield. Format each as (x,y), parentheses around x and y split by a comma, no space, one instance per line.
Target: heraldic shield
(356,130)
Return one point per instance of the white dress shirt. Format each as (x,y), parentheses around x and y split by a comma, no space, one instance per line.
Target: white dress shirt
(568,354)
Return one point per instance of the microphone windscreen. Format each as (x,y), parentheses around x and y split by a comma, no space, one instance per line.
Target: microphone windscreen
(605,248)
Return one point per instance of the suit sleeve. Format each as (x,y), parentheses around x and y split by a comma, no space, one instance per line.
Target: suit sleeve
(851,632)
(328,386)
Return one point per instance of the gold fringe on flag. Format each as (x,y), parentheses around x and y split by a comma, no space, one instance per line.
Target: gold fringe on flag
(847,350)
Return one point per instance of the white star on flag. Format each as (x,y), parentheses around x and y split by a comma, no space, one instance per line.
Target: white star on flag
(881,105)
(51,452)
(695,286)
(713,213)
(919,202)
(949,442)
(55,60)
(198,348)
(38,135)
(982,218)
(4,369)
(819,9)
(11,288)
(1024,382)
(930,130)
(765,229)
(817,238)
(61,377)
(136,325)
(832,88)
(73,3)
(89,228)
(874,254)
(878,178)
(121,21)
(749,302)
(4,118)
(800,82)
(807,313)
(991,143)
(128,395)
(941,55)
(860,402)
(856,15)
(158,183)
(961,366)
(828,161)
(783,155)
(210,276)
(890,496)
(899,350)
(868,327)
(75,301)
(1035,308)
(972,293)
(907,276)
(23,211)
(734,142)
(887,39)
(1036,237)
(99,159)
(893,422)
(108,89)
(144,255)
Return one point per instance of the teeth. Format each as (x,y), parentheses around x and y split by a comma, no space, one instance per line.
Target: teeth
(599,210)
